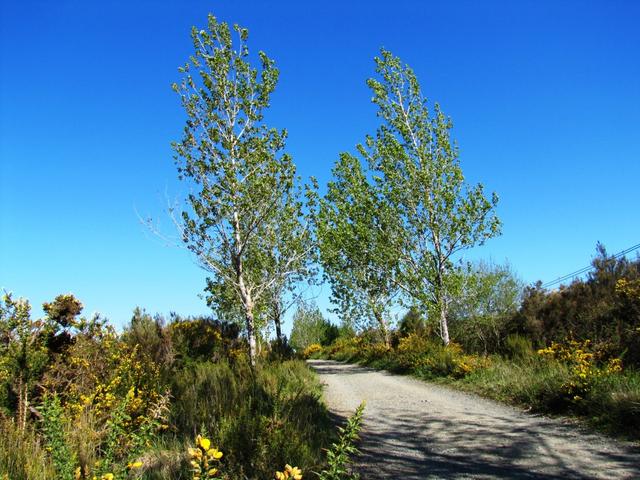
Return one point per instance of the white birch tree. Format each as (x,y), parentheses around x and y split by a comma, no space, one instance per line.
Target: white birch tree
(244,198)
(419,173)
(356,252)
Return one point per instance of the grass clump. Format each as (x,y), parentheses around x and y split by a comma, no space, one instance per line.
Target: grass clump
(272,416)
(22,453)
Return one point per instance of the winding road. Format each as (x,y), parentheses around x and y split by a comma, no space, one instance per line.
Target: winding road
(418,430)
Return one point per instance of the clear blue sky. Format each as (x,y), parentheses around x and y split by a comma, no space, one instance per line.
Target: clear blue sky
(545,98)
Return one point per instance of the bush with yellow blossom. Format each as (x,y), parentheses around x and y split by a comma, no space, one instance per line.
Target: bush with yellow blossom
(110,406)
(311,350)
(586,366)
(204,460)
(289,472)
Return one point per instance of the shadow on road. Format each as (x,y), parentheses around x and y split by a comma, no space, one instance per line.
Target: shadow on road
(418,443)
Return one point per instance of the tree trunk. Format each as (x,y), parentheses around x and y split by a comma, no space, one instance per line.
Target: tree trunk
(442,303)
(247,302)
(277,320)
(444,328)
(251,336)
(245,293)
(383,327)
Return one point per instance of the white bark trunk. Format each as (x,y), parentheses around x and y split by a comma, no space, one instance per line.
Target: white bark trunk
(245,293)
(444,327)
(247,302)
(251,336)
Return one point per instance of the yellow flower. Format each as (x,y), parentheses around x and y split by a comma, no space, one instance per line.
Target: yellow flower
(281,476)
(203,443)
(294,472)
(195,453)
(107,476)
(214,453)
(212,472)
(137,464)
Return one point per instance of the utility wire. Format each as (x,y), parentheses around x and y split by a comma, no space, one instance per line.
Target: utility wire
(586,269)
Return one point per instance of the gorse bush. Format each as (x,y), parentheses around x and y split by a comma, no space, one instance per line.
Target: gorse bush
(106,404)
(604,308)
(583,362)
(415,353)
(607,398)
(114,405)
(204,460)
(312,350)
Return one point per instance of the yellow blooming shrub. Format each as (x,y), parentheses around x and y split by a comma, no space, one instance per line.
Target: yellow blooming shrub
(204,460)
(411,351)
(628,288)
(429,357)
(289,472)
(345,348)
(375,351)
(110,393)
(586,366)
(311,349)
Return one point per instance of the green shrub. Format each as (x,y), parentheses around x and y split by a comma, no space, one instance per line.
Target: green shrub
(279,350)
(53,429)
(517,347)
(614,403)
(339,456)
(603,308)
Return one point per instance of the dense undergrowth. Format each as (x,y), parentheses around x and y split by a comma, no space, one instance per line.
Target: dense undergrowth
(79,400)
(571,378)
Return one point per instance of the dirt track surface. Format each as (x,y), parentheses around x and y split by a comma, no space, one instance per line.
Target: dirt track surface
(417,430)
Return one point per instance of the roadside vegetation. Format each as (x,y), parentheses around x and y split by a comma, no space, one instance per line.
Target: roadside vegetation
(573,351)
(79,400)
(173,399)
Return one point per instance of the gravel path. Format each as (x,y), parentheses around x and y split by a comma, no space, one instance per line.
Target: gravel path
(417,430)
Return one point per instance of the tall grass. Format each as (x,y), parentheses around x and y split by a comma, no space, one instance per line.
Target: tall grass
(612,403)
(22,456)
(271,417)
(261,420)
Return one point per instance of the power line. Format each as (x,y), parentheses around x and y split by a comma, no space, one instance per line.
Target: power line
(587,268)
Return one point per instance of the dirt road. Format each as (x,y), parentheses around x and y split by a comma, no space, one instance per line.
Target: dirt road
(417,430)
